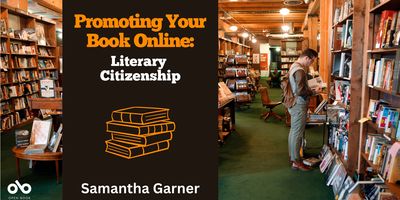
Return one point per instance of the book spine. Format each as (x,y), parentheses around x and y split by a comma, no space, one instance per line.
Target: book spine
(126,117)
(156,138)
(128,139)
(136,130)
(122,128)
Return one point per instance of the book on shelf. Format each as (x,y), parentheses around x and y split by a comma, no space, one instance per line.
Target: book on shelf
(40,135)
(242,97)
(384,156)
(241,84)
(345,189)
(333,168)
(18,48)
(347,39)
(385,35)
(4,64)
(392,169)
(241,59)
(343,11)
(241,72)
(374,148)
(231,83)
(3,47)
(3,27)
(338,179)
(47,52)
(320,106)
(384,116)
(47,88)
(55,139)
(380,73)
(341,92)
(230,72)
(13,91)
(22,138)
(338,139)
(140,115)
(342,65)
(396,32)
(327,159)
(334,114)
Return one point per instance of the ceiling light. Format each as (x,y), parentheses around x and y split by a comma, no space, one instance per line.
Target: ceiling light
(293,2)
(277,49)
(254,40)
(285,28)
(233,28)
(306,1)
(245,35)
(284,11)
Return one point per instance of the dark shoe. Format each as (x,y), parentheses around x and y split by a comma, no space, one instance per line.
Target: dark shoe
(300,166)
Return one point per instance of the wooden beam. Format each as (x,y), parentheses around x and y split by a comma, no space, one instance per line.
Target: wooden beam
(312,35)
(20,4)
(325,16)
(55,6)
(258,6)
(313,8)
(356,83)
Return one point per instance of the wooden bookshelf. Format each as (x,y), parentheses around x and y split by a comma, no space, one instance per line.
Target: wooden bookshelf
(289,53)
(341,50)
(354,52)
(385,5)
(25,74)
(372,23)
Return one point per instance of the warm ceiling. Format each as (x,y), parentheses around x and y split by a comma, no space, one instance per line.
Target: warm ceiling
(260,16)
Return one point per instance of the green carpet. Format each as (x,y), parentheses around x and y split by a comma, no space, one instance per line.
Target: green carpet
(42,177)
(253,162)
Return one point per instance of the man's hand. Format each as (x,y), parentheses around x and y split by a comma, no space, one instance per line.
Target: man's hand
(318,90)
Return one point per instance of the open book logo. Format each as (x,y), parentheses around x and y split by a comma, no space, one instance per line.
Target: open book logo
(13,188)
(138,131)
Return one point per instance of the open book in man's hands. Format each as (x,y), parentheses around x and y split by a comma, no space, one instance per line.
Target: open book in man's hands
(315,83)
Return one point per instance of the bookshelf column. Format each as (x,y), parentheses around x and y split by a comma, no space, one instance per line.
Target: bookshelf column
(356,82)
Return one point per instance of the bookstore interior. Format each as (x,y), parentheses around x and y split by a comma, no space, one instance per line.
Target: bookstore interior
(351,144)
(353,122)
(31,88)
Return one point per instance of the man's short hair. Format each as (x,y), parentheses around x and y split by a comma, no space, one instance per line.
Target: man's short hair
(311,53)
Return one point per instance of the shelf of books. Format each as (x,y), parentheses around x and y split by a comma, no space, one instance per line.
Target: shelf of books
(27,56)
(338,110)
(290,51)
(237,78)
(380,139)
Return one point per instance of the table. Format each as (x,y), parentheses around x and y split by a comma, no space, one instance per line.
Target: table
(46,156)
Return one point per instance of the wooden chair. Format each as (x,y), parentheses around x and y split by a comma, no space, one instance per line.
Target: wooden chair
(269,104)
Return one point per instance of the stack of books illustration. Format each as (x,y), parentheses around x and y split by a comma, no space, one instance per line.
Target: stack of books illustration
(139,131)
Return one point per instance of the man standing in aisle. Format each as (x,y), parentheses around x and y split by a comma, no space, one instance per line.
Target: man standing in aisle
(302,92)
